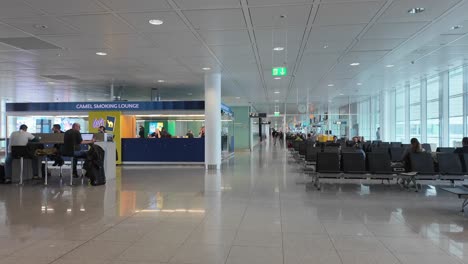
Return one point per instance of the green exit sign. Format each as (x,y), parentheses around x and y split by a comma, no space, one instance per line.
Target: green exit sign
(277,113)
(279,71)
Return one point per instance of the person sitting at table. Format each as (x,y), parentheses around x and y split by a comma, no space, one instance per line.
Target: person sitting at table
(57,158)
(72,142)
(164,133)
(18,138)
(202,132)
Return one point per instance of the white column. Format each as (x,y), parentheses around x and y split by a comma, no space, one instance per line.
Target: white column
(213,121)
(112,91)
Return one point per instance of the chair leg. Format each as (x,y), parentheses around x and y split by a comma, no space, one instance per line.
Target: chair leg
(45,171)
(71,172)
(82,174)
(21,171)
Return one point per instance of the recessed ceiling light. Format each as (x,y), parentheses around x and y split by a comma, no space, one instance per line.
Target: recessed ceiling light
(276,100)
(456,27)
(100,53)
(277,92)
(189,94)
(341,94)
(416,10)
(278,48)
(358,84)
(161,81)
(206,68)
(331,85)
(325,46)
(389,65)
(156,22)
(50,82)
(237,97)
(277,78)
(355,64)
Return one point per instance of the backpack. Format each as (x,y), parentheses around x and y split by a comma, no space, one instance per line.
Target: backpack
(94,165)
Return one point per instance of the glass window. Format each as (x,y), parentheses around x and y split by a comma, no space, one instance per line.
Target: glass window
(415,112)
(433,88)
(400,114)
(456,130)
(456,106)
(456,81)
(433,131)
(400,98)
(433,109)
(415,93)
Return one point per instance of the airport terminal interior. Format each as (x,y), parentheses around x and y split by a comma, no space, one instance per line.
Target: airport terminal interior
(244,131)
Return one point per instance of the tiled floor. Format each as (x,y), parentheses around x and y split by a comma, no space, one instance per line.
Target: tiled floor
(256,210)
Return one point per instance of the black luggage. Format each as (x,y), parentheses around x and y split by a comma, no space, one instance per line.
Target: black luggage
(2,173)
(94,166)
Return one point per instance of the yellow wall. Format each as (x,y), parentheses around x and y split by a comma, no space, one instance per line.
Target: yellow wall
(127,126)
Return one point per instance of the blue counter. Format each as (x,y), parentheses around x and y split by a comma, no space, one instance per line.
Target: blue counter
(163,150)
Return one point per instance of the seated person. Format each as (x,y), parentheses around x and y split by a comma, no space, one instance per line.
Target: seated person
(334,143)
(415,147)
(164,133)
(18,138)
(57,158)
(155,134)
(141,132)
(101,129)
(72,142)
(360,150)
(464,148)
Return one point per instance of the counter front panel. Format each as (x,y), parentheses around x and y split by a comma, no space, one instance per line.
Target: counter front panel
(163,150)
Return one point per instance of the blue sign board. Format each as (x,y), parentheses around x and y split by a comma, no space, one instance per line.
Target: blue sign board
(105,106)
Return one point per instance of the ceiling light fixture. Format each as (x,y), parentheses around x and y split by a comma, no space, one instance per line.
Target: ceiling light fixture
(355,64)
(341,94)
(325,46)
(237,97)
(156,22)
(277,92)
(100,53)
(277,78)
(331,85)
(161,81)
(278,48)
(276,100)
(358,84)
(389,65)
(206,68)
(416,10)
(38,26)
(189,94)
(456,27)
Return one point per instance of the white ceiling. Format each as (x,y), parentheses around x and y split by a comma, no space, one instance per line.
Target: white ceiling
(321,37)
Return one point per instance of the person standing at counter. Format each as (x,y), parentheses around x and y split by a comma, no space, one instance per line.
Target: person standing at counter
(18,138)
(164,133)
(141,132)
(101,129)
(189,134)
(202,132)
(155,134)
(72,142)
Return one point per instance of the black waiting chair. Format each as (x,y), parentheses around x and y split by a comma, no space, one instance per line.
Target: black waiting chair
(354,163)
(446,150)
(72,158)
(464,161)
(311,154)
(328,162)
(379,163)
(427,147)
(396,154)
(384,145)
(405,146)
(331,149)
(302,148)
(380,149)
(422,168)
(395,144)
(348,150)
(450,167)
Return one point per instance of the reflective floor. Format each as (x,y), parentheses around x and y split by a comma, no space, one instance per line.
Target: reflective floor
(256,210)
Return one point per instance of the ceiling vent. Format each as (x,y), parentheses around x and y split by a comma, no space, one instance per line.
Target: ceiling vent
(28,43)
(59,77)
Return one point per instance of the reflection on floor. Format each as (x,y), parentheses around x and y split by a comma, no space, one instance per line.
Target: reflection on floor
(253,211)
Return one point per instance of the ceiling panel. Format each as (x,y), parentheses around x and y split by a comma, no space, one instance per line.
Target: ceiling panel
(136,5)
(377,44)
(234,53)
(17,8)
(335,33)
(295,16)
(77,42)
(346,13)
(61,7)
(394,30)
(35,25)
(98,24)
(207,4)
(277,2)
(216,19)
(121,43)
(7,31)
(398,11)
(226,37)
(171,21)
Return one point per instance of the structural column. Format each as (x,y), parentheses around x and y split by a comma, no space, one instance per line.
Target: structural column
(213,121)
